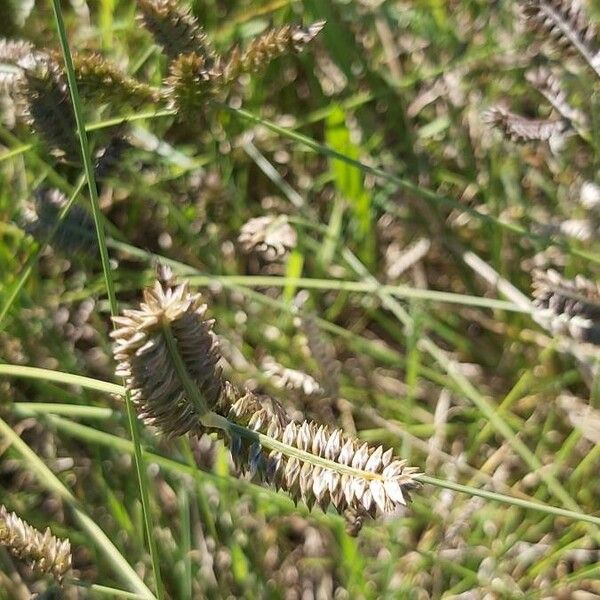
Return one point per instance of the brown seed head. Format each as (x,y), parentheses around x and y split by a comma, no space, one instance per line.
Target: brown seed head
(42,551)
(270,236)
(289,39)
(174,28)
(568,306)
(145,362)
(49,108)
(520,129)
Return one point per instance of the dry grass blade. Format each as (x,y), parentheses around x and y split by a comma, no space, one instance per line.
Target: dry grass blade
(174,28)
(568,307)
(566,24)
(43,552)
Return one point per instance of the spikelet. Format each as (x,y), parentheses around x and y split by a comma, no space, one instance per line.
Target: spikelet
(174,28)
(271,237)
(145,363)
(307,460)
(376,483)
(43,552)
(11,52)
(566,24)
(190,84)
(520,129)
(567,307)
(102,82)
(291,379)
(289,39)
(76,233)
(549,86)
(49,108)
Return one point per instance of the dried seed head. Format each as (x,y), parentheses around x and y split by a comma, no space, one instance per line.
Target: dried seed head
(190,84)
(567,307)
(271,237)
(145,362)
(520,129)
(550,86)
(367,481)
(283,377)
(42,551)
(77,231)
(566,24)
(49,108)
(174,28)
(100,81)
(289,39)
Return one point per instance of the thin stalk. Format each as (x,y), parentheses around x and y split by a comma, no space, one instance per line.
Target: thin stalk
(513,501)
(401,291)
(91,180)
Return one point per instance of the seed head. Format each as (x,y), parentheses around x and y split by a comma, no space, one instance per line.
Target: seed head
(271,237)
(289,39)
(568,306)
(376,482)
(566,24)
(174,28)
(101,81)
(42,551)
(49,108)
(146,363)
(76,233)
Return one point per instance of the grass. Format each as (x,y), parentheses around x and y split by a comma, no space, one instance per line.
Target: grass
(369,140)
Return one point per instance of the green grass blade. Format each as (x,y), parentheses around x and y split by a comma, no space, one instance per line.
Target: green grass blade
(91,181)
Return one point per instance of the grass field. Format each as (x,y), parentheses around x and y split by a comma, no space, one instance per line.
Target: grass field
(390,209)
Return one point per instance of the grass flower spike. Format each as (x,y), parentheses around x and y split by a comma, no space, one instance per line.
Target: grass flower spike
(168,315)
(569,307)
(174,28)
(42,551)
(168,355)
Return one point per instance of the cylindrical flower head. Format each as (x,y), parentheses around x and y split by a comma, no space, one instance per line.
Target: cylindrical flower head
(42,551)
(144,360)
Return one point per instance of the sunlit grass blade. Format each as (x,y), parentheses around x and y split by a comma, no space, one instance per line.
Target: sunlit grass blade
(106,267)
